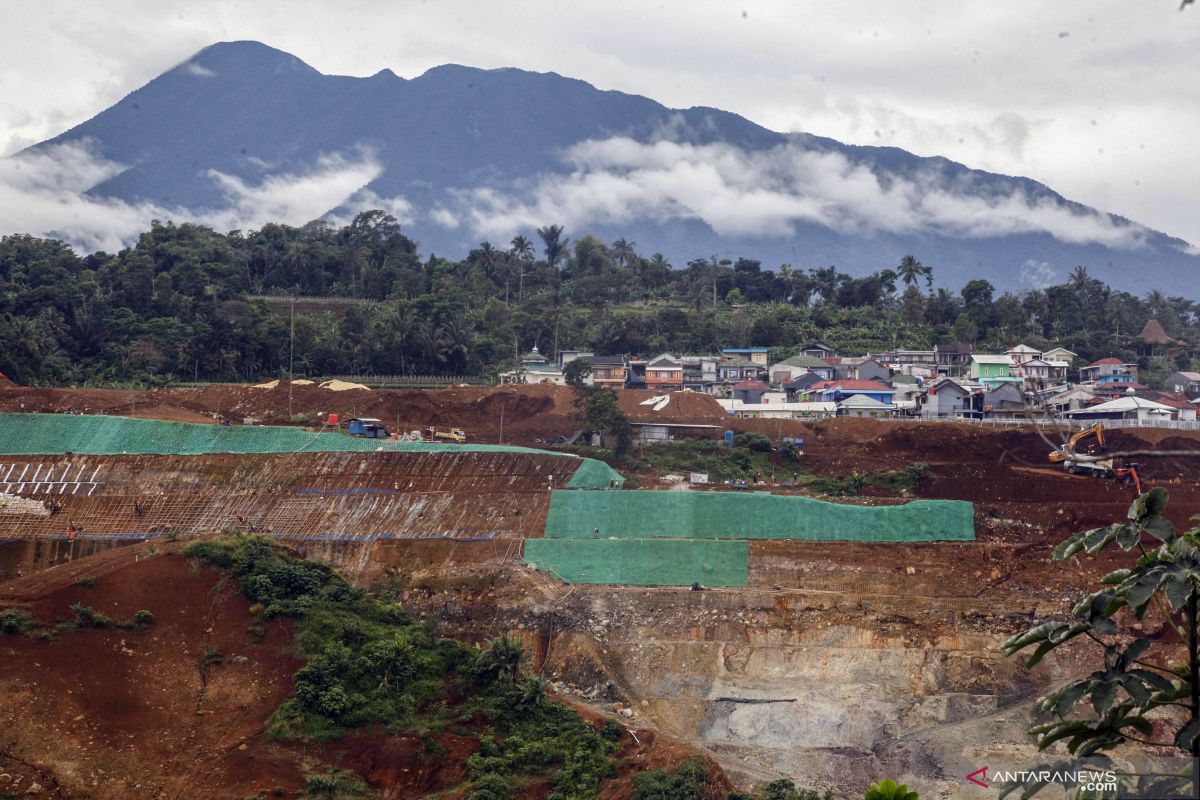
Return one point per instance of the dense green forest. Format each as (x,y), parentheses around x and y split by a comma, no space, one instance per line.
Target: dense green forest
(185,303)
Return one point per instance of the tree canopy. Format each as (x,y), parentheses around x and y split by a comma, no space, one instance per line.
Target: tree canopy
(188,303)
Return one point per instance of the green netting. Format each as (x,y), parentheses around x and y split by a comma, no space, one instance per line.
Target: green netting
(54,434)
(642,562)
(736,515)
(593,474)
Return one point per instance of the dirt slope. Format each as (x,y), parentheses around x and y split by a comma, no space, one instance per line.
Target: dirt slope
(178,710)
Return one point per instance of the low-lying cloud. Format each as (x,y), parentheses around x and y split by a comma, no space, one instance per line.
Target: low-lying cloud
(737,192)
(45,192)
(749,193)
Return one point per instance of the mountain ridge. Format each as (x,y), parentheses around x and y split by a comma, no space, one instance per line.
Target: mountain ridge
(441,139)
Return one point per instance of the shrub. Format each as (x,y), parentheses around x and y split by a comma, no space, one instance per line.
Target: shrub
(753,441)
(491,786)
(611,730)
(143,617)
(334,784)
(87,617)
(784,789)
(16,623)
(890,790)
(688,781)
(86,581)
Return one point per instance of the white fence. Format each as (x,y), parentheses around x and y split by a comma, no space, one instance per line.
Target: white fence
(1061,422)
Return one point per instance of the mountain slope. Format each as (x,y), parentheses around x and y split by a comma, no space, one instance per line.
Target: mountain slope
(463,154)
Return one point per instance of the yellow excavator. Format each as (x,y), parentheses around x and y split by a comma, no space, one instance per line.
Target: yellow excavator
(1067,450)
(1127,474)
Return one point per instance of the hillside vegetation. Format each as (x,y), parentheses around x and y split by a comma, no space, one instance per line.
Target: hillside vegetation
(177,306)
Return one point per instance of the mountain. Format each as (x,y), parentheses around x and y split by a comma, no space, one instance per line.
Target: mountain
(463,154)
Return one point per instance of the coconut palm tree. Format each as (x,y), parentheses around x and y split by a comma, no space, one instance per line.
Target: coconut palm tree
(623,252)
(555,244)
(910,271)
(521,249)
(1079,278)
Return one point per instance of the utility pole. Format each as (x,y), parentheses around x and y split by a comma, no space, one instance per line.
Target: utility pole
(501,424)
(291,354)
(714,266)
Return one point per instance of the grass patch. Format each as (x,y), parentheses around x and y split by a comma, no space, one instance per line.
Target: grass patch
(371,664)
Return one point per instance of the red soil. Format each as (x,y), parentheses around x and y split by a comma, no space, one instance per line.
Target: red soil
(179,709)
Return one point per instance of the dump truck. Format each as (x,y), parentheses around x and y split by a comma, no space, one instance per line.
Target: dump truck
(446,434)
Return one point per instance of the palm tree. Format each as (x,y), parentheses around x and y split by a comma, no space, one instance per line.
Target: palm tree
(1080,278)
(521,249)
(554,244)
(1156,301)
(623,252)
(910,271)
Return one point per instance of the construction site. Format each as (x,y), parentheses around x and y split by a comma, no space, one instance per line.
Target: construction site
(776,631)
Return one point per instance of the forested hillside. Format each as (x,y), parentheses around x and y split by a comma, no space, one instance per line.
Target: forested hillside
(185,303)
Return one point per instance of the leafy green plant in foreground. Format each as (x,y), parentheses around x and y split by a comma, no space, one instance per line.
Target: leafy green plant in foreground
(1132,696)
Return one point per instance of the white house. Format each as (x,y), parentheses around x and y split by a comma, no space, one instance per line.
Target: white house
(1060,354)
(859,405)
(1125,408)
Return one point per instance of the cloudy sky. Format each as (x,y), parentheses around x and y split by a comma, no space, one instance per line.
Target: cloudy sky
(1097,98)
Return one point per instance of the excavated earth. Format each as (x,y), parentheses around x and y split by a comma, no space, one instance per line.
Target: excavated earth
(179,710)
(839,664)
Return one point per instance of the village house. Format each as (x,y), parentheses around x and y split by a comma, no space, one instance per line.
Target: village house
(1006,400)
(1060,354)
(534,368)
(1185,410)
(1108,370)
(798,364)
(798,387)
(757,355)
(1021,353)
(700,373)
(859,405)
(750,391)
(1036,372)
(953,359)
(732,370)
(860,369)
(1154,343)
(836,391)
(992,370)
(607,371)
(1124,408)
(1069,399)
(899,358)
(1186,382)
(945,397)
(664,373)
(818,350)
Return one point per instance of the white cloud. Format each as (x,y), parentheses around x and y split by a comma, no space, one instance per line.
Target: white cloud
(1038,274)
(765,193)
(291,197)
(45,193)
(192,68)
(444,217)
